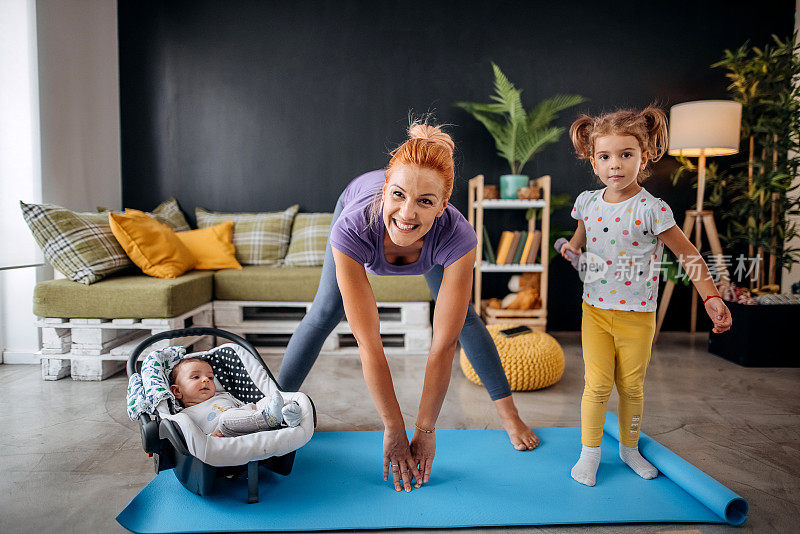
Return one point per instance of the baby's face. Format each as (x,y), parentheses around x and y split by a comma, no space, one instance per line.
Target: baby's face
(194,383)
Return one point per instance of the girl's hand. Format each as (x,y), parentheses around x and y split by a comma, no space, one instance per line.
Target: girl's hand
(423,449)
(568,247)
(397,458)
(720,315)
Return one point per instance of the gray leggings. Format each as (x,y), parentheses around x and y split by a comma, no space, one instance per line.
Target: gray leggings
(243,420)
(328,310)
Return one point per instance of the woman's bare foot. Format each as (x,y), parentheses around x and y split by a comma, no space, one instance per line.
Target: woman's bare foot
(520,434)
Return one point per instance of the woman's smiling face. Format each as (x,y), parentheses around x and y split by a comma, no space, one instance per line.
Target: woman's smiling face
(412,199)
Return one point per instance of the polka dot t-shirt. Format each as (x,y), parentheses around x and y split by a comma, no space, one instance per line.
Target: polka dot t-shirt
(623,234)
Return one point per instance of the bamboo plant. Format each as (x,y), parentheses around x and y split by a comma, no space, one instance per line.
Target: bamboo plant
(763,81)
(519,135)
(756,197)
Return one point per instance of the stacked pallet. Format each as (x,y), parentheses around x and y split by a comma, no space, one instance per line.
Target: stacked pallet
(404,326)
(94,349)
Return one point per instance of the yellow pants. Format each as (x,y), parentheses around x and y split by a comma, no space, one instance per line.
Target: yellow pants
(616,350)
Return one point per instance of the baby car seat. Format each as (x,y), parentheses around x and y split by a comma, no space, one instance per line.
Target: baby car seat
(176,442)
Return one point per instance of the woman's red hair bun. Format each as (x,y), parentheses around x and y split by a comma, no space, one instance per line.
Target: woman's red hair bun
(431,133)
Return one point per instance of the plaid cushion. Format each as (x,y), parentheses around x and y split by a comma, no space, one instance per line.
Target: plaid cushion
(309,237)
(167,213)
(80,245)
(259,238)
(170,214)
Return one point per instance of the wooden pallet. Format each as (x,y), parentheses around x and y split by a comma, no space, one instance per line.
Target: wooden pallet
(404,326)
(95,349)
(536,319)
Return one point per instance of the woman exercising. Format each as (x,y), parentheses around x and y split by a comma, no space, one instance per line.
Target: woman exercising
(398,222)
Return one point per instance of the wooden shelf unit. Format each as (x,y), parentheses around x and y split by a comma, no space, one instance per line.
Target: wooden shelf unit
(476,205)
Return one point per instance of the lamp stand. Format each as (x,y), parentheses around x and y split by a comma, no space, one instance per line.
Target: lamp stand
(698,220)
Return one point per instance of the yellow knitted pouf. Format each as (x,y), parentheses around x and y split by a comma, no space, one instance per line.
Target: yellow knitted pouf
(530,361)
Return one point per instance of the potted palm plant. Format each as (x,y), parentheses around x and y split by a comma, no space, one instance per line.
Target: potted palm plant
(518,135)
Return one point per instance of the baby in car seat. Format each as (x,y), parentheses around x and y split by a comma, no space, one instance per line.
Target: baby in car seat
(222,414)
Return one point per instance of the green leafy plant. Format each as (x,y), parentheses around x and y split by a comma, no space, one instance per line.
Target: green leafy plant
(673,272)
(519,135)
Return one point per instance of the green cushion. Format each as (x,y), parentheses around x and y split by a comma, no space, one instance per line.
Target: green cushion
(126,296)
(259,238)
(309,238)
(80,245)
(299,284)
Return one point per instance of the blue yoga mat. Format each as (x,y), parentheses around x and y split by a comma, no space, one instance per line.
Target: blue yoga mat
(477,480)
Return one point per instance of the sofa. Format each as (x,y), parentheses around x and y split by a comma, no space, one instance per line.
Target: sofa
(88,328)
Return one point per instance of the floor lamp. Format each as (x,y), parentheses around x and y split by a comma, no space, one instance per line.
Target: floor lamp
(701,129)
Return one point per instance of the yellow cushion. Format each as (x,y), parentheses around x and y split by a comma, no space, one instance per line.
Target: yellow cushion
(212,246)
(152,246)
(531,361)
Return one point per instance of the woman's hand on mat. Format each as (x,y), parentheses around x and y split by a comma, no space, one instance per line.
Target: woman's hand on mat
(397,459)
(720,315)
(423,449)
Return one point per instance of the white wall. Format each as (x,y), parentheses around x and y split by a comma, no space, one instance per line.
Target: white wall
(77,135)
(79,103)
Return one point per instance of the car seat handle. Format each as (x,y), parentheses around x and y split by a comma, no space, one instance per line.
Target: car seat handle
(192,331)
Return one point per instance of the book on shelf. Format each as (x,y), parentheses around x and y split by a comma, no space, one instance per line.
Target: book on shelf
(512,249)
(503,246)
(488,253)
(523,237)
(536,244)
(527,249)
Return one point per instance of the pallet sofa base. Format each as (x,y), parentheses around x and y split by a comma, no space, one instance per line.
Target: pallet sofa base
(95,349)
(404,326)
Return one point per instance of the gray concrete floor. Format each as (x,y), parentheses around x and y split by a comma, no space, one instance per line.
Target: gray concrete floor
(70,460)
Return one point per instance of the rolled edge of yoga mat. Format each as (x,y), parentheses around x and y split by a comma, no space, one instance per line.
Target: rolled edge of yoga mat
(713,495)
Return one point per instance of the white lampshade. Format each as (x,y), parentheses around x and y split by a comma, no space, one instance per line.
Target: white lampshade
(704,128)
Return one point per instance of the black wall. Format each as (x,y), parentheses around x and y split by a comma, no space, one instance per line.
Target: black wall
(256,105)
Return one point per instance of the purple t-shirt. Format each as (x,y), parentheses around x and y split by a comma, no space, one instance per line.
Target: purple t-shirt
(450,237)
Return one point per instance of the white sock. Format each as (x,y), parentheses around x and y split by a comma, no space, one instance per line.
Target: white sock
(585,471)
(272,413)
(292,414)
(631,456)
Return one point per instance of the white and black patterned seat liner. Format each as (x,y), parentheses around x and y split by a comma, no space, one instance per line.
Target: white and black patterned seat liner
(233,376)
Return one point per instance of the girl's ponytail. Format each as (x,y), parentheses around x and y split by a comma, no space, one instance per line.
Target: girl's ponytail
(581,134)
(657,132)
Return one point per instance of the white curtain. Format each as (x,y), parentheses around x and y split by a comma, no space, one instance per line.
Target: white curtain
(20,175)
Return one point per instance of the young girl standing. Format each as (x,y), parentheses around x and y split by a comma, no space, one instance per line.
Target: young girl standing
(624,229)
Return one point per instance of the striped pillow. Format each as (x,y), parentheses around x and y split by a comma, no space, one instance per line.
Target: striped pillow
(309,238)
(259,238)
(80,245)
(170,214)
(167,213)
